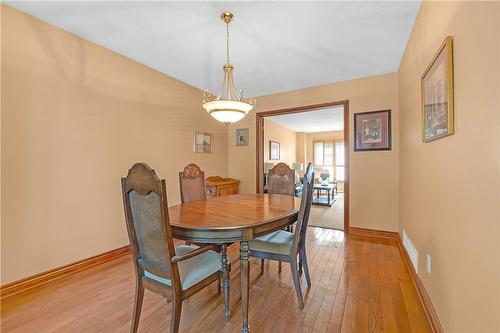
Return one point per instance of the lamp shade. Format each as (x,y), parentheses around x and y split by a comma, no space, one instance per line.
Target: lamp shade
(227,111)
(268,166)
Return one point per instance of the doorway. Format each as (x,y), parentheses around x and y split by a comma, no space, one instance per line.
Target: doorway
(343,196)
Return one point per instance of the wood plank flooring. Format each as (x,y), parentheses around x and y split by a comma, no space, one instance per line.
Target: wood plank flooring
(359,284)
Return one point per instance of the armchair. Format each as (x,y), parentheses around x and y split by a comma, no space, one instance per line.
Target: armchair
(173,272)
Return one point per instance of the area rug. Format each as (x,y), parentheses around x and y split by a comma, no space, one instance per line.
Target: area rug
(328,217)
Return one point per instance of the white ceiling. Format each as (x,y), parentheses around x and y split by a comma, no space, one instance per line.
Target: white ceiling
(312,121)
(276,46)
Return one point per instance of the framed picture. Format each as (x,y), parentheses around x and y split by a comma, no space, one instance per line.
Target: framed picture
(242,137)
(372,130)
(202,142)
(274,150)
(437,94)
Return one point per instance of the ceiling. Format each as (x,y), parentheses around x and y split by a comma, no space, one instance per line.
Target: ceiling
(275,46)
(323,120)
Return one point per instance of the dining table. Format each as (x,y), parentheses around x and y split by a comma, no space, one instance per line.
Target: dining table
(233,218)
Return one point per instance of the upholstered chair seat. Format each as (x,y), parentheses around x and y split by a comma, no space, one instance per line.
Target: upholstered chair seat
(279,242)
(192,270)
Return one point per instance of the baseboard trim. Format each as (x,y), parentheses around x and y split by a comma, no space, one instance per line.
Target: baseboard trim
(425,300)
(373,233)
(41,279)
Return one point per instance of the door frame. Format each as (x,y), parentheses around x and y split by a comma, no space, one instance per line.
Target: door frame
(314,107)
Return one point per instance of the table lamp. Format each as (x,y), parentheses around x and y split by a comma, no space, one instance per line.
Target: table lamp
(268,166)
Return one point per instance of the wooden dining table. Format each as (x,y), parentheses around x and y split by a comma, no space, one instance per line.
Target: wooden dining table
(233,218)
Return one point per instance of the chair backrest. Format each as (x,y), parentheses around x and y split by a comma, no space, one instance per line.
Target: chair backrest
(281,180)
(192,184)
(148,225)
(305,209)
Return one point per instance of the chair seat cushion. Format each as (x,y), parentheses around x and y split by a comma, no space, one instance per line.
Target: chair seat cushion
(279,242)
(192,270)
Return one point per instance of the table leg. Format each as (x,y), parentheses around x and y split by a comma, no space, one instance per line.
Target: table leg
(225,275)
(328,196)
(245,268)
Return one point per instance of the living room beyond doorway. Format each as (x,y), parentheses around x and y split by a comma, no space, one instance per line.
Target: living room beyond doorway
(295,137)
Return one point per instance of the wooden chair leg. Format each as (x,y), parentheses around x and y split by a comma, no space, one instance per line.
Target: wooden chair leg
(139,296)
(261,266)
(279,267)
(176,314)
(303,260)
(296,282)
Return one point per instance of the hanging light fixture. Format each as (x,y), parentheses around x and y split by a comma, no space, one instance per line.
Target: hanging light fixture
(229,106)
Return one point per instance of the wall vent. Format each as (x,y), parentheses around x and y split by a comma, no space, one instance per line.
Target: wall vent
(411,250)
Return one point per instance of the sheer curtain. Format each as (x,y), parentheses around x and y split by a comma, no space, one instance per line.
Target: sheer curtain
(324,153)
(339,160)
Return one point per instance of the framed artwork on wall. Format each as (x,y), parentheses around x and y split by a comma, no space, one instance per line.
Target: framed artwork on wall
(202,142)
(274,150)
(437,94)
(242,137)
(372,131)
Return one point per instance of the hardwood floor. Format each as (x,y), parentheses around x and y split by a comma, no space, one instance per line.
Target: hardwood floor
(359,284)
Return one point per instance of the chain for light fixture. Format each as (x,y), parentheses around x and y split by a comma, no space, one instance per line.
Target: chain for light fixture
(229,106)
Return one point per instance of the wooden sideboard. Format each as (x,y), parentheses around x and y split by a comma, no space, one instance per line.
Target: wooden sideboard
(218,186)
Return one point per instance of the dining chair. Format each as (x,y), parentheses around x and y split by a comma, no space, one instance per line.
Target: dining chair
(192,184)
(173,272)
(192,188)
(285,246)
(281,180)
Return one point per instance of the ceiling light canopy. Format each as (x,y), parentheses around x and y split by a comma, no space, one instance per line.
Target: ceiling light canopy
(229,106)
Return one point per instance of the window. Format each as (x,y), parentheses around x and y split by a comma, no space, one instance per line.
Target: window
(339,160)
(329,155)
(318,153)
(324,153)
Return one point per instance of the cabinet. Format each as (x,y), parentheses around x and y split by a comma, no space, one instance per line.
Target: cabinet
(218,186)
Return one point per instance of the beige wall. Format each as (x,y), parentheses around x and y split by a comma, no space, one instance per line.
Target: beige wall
(286,138)
(449,188)
(302,148)
(1,24)
(374,175)
(75,116)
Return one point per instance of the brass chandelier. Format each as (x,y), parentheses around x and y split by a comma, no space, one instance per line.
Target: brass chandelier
(229,106)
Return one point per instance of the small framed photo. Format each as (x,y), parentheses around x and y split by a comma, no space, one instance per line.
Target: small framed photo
(242,137)
(437,94)
(372,130)
(202,142)
(274,150)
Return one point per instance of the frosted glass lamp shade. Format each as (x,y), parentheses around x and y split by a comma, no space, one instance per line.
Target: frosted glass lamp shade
(227,111)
